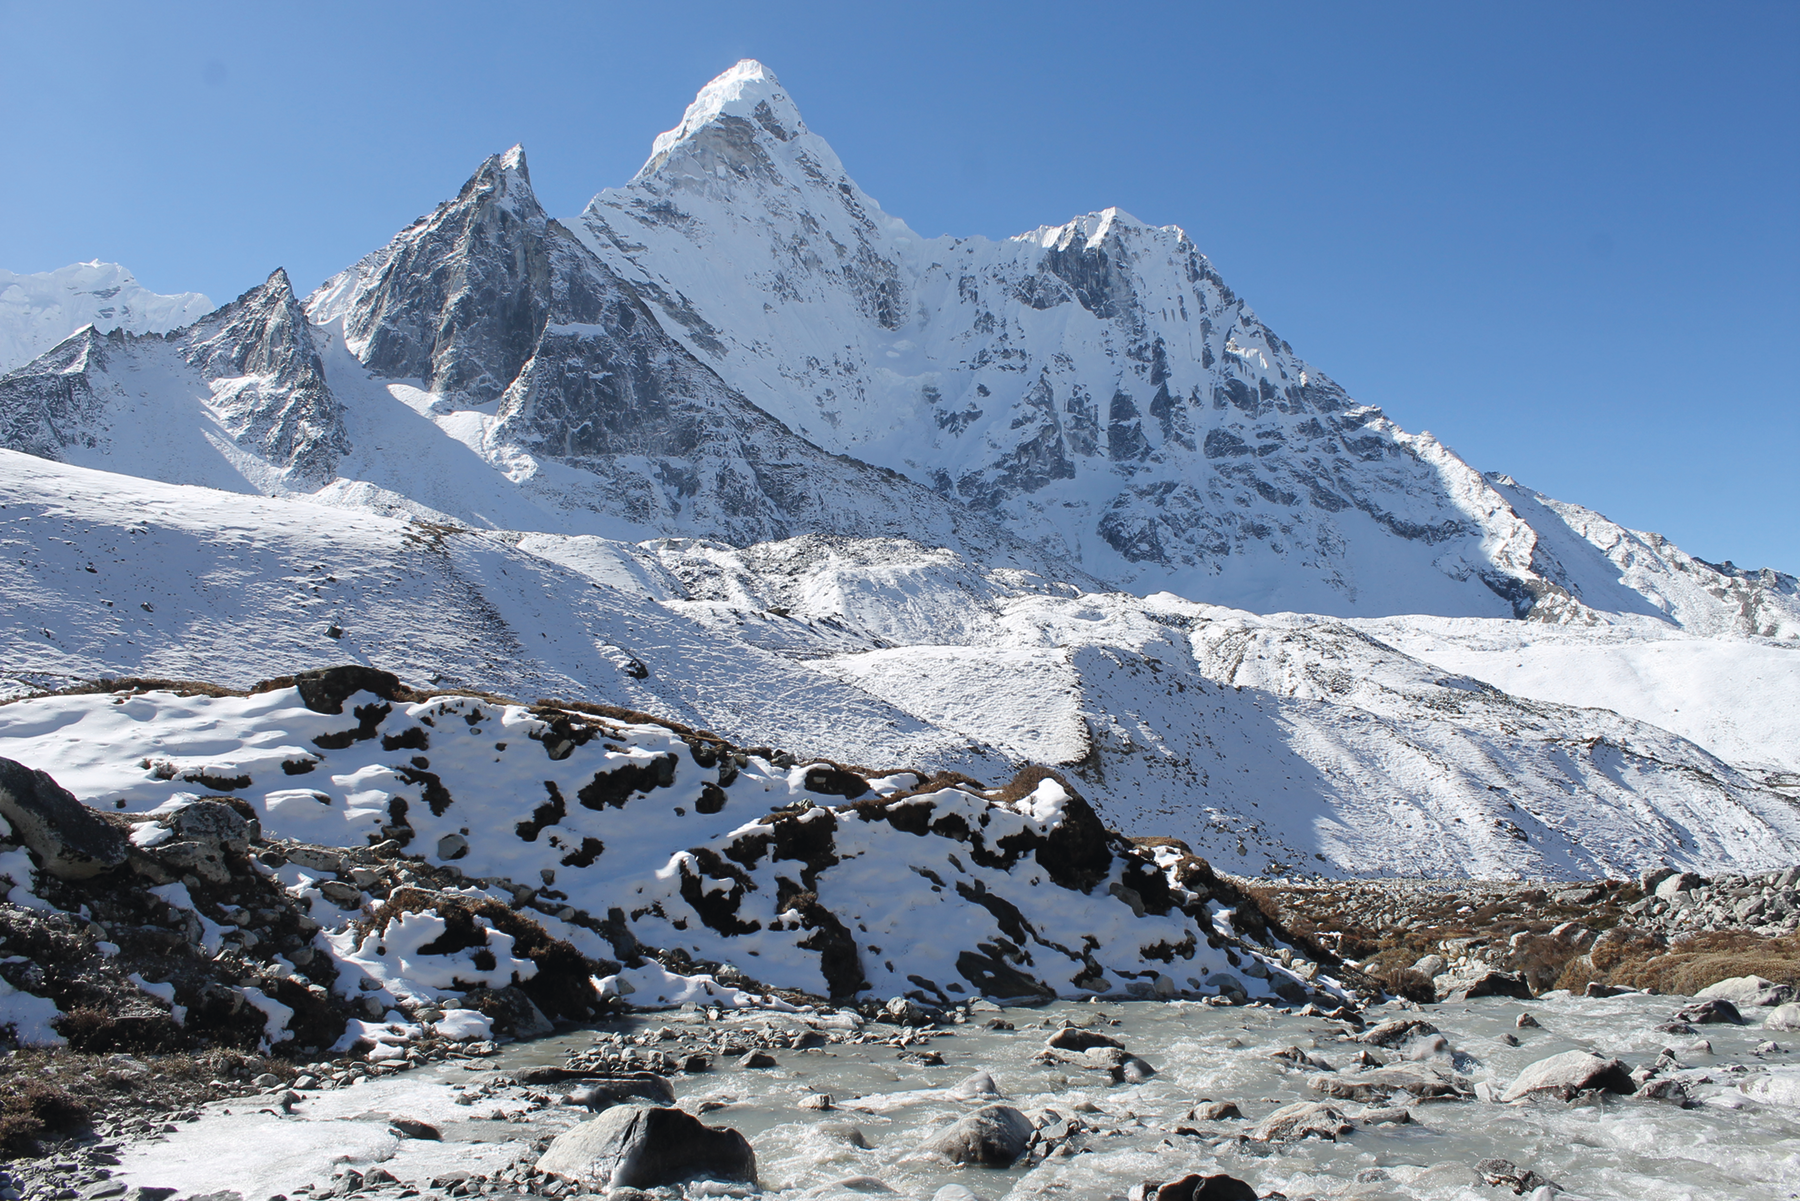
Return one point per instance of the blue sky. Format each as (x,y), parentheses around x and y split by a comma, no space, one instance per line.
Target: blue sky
(1565,238)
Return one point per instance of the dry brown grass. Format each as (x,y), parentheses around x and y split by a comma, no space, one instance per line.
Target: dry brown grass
(1695,961)
(30,1107)
(135,684)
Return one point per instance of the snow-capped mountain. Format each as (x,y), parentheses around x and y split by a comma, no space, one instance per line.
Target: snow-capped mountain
(738,449)
(38,311)
(1098,387)
(236,400)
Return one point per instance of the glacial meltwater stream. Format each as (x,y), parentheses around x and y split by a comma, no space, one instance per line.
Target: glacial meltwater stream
(1739,1139)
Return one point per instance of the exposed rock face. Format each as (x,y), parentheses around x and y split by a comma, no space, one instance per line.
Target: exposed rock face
(71,840)
(636,1147)
(489,298)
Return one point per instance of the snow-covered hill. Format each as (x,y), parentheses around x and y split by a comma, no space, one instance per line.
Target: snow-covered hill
(806,876)
(38,311)
(1290,741)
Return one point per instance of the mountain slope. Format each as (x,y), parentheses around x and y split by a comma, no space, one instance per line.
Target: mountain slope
(1294,742)
(1095,385)
(38,311)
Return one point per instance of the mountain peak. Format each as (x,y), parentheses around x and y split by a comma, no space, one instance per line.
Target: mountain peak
(1088,231)
(748,90)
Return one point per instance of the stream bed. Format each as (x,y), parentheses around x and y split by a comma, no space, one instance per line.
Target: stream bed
(1739,1139)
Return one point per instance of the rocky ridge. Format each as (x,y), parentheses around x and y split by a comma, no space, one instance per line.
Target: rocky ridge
(201,915)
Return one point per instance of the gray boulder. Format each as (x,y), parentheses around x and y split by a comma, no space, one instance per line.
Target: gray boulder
(1302,1119)
(1393,1033)
(1746,992)
(637,1147)
(1382,1083)
(515,1015)
(1484,982)
(216,823)
(1679,882)
(993,1136)
(1712,1011)
(979,1085)
(1570,1073)
(71,841)
(1072,1038)
(1783,1017)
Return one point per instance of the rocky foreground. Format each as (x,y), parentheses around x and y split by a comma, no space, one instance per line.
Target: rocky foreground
(335,881)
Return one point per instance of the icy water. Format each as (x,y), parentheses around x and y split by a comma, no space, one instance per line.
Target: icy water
(1742,1141)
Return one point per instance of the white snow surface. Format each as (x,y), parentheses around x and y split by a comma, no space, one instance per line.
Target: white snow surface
(1298,742)
(37,311)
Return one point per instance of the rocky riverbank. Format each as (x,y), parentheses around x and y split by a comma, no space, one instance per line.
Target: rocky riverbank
(1586,1097)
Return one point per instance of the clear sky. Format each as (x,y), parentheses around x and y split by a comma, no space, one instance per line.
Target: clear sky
(1565,238)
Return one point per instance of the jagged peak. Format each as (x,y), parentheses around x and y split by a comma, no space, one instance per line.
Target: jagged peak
(748,90)
(1092,229)
(502,178)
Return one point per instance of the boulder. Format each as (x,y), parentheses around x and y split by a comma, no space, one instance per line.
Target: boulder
(1228,986)
(316,859)
(1430,965)
(1393,1033)
(71,841)
(1679,882)
(1302,1119)
(1597,989)
(1504,1173)
(325,689)
(1195,1187)
(1746,992)
(1712,1011)
(1570,1073)
(1381,1083)
(979,1085)
(215,823)
(647,1147)
(514,1014)
(1073,1038)
(1214,1111)
(993,1136)
(598,1090)
(1484,982)
(413,1128)
(1783,1017)
(1397,1115)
